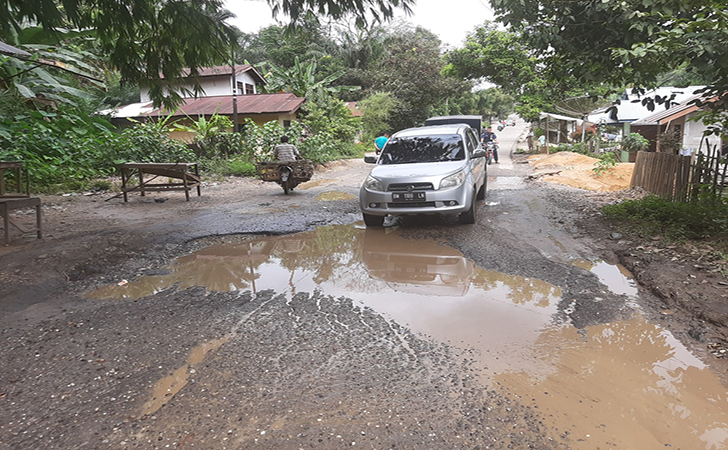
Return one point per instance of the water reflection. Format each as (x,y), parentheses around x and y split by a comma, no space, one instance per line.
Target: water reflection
(624,385)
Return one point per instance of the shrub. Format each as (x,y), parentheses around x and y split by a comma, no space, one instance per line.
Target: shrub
(579,147)
(606,162)
(675,221)
(634,142)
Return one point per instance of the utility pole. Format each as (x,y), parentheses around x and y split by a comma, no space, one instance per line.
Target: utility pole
(235,87)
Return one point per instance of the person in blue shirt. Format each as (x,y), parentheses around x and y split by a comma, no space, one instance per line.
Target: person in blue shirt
(489,136)
(380,141)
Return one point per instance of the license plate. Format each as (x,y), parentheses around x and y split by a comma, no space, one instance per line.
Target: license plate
(408,196)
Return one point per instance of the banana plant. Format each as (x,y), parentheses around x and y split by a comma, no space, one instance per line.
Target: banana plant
(301,80)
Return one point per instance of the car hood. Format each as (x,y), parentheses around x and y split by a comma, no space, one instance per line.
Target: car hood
(417,170)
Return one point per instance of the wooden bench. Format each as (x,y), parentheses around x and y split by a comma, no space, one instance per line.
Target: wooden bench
(9,204)
(187,174)
(17,196)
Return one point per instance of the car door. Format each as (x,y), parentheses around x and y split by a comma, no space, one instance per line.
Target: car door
(476,165)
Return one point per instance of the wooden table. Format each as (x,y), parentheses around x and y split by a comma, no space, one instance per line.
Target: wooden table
(9,204)
(187,174)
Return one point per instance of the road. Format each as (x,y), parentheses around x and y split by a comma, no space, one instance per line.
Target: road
(224,329)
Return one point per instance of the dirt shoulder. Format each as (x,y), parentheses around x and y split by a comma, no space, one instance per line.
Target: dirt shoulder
(689,280)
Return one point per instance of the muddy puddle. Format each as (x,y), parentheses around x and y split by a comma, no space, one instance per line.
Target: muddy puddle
(627,385)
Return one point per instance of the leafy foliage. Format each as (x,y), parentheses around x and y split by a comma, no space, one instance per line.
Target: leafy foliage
(148,38)
(625,43)
(505,59)
(607,161)
(634,142)
(412,73)
(655,216)
(378,109)
(56,146)
(301,80)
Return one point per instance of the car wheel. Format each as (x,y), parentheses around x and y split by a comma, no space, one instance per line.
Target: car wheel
(373,221)
(468,217)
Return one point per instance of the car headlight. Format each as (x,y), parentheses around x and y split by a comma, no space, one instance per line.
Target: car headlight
(373,184)
(453,180)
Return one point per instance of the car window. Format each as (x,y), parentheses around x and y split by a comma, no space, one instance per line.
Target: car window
(472,141)
(417,149)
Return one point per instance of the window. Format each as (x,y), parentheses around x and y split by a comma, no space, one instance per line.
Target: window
(472,141)
(417,149)
(239,88)
(286,124)
(249,89)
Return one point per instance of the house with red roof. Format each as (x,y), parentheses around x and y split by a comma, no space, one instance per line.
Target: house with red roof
(224,90)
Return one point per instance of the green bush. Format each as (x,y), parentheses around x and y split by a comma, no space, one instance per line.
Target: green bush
(146,142)
(56,147)
(634,142)
(674,221)
(579,147)
(606,161)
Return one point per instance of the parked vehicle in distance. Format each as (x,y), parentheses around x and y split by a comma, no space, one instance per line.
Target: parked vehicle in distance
(475,122)
(427,170)
(510,123)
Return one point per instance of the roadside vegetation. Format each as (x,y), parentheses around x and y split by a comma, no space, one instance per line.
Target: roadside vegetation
(703,222)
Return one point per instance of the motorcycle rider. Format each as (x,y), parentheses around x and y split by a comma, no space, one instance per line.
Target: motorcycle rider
(285,151)
(487,137)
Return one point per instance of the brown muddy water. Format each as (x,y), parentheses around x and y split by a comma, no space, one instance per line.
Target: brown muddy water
(621,385)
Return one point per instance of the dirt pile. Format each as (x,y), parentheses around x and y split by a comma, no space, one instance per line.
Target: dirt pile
(577,170)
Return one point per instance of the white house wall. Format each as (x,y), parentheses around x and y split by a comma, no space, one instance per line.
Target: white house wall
(693,135)
(213,86)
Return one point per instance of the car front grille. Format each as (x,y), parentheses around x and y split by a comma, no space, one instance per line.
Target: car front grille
(411,205)
(402,187)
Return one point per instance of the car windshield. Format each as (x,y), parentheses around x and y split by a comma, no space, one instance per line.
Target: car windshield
(418,149)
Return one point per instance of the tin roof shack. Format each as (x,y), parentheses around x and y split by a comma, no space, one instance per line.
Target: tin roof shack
(677,130)
(558,128)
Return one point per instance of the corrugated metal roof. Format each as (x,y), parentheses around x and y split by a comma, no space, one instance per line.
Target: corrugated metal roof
(247,105)
(631,108)
(7,49)
(675,112)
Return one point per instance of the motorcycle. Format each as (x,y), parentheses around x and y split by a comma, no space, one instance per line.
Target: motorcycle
(489,152)
(288,174)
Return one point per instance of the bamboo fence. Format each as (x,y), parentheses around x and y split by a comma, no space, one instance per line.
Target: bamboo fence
(681,178)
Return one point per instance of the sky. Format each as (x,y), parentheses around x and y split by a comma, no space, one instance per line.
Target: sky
(451,20)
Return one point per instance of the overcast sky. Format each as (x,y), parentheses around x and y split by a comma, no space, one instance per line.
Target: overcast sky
(451,20)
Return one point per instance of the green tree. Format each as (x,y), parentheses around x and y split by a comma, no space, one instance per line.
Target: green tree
(378,109)
(626,43)
(412,72)
(505,59)
(146,38)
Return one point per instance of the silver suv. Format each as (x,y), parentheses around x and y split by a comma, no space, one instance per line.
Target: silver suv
(428,170)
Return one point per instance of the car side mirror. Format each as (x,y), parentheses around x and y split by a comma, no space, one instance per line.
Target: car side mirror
(370,159)
(479,153)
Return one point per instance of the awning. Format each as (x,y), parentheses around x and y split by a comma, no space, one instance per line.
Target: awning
(552,116)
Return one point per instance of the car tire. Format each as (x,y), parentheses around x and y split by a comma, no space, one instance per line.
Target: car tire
(468,217)
(373,221)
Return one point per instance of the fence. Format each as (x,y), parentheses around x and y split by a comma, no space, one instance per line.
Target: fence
(681,178)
